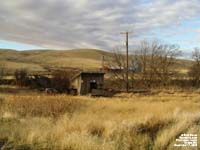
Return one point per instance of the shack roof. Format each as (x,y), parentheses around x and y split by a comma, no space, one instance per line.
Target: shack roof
(87,73)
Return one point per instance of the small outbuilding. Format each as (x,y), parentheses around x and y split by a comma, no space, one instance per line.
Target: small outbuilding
(85,82)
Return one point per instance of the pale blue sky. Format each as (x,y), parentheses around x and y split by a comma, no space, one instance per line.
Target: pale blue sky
(17,46)
(61,24)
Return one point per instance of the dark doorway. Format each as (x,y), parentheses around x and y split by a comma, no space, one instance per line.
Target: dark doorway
(93,85)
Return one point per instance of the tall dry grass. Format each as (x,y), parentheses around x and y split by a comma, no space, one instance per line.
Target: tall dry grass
(124,122)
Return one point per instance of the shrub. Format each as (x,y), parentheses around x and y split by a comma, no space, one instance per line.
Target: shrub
(44,107)
(2,102)
(96,129)
(194,73)
(61,80)
(21,77)
(2,73)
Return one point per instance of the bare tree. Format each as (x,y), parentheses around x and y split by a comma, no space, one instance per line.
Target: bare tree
(156,59)
(21,77)
(194,71)
(61,80)
(165,58)
(135,68)
(196,55)
(2,70)
(2,73)
(143,54)
(116,64)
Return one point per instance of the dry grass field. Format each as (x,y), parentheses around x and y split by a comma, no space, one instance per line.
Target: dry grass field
(31,120)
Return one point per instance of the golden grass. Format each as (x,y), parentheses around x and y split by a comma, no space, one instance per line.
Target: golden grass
(19,65)
(75,63)
(34,60)
(124,122)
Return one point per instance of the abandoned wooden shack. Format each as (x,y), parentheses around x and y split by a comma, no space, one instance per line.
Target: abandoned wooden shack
(85,82)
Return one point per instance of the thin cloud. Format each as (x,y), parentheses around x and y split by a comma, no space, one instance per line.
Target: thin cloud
(85,23)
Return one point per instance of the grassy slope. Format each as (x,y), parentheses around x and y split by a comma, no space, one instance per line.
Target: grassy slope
(35,60)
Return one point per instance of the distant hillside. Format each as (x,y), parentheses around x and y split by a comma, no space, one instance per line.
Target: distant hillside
(38,60)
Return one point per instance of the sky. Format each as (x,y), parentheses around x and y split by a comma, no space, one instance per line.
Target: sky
(71,24)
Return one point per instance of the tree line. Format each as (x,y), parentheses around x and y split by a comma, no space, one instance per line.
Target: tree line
(153,64)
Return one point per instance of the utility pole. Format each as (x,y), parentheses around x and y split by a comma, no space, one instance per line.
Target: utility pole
(127,65)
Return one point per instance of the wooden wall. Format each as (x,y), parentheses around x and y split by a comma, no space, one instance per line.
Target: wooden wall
(82,82)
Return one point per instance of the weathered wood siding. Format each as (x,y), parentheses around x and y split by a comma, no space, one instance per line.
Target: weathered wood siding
(87,78)
(82,82)
(77,84)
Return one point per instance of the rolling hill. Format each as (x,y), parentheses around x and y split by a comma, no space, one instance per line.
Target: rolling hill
(38,60)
